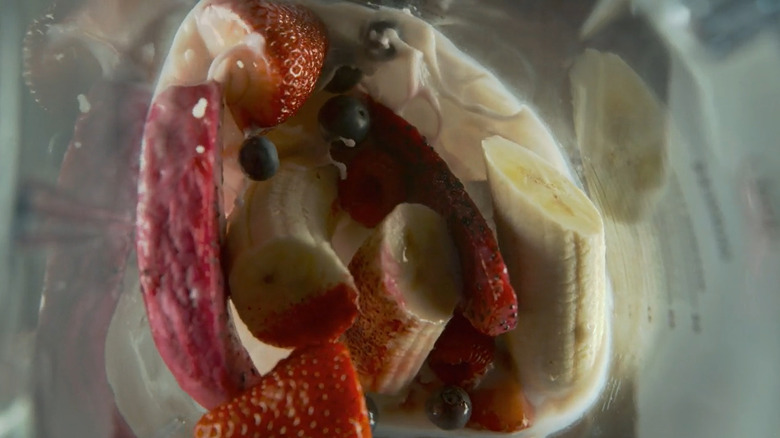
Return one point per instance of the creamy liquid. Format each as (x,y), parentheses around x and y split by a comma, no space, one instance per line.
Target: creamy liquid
(455,103)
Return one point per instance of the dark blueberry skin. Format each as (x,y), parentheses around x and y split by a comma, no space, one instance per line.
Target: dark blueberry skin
(373,412)
(376,40)
(258,158)
(344,117)
(449,408)
(345,79)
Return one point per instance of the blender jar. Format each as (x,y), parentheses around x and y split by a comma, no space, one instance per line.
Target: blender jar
(665,110)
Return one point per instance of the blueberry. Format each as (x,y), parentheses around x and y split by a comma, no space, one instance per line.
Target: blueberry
(258,158)
(373,412)
(345,78)
(344,117)
(449,408)
(377,40)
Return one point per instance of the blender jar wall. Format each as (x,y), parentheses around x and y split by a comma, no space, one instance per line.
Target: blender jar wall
(16,323)
(724,90)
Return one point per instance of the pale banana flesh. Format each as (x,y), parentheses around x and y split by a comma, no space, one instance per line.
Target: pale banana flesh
(552,239)
(282,232)
(621,131)
(408,276)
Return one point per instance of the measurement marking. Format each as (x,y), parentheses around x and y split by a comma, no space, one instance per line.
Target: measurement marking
(716,215)
(760,198)
(696,323)
(697,282)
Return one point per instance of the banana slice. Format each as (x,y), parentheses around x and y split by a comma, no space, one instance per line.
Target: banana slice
(552,238)
(409,280)
(622,134)
(297,202)
(282,268)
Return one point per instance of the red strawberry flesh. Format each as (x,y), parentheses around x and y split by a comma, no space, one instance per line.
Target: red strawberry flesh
(373,188)
(461,355)
(303,323)
(179,232)
(312,393)
(489,302)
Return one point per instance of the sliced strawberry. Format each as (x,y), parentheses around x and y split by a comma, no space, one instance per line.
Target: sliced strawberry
(499,407)
(313,393)
(489,301)
(461,355)
(373,188)
(179,233)
(264,91)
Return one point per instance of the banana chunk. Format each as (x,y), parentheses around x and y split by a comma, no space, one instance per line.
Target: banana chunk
(282,268)
(552,238)
(409,281)
(622,129)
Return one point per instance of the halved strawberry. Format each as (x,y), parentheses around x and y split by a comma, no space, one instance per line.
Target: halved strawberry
(461,355)
(489,301)
(269,78)
(180,226)
(373,188)
(312,393)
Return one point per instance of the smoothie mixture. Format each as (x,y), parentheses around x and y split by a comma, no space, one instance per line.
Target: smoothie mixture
(336,202)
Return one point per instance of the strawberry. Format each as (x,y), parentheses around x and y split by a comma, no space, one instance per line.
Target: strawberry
(489,302)
(373,188)
(179,233)
(499,407)
(312,393)
(279,80)
(56,70)
(461,355)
